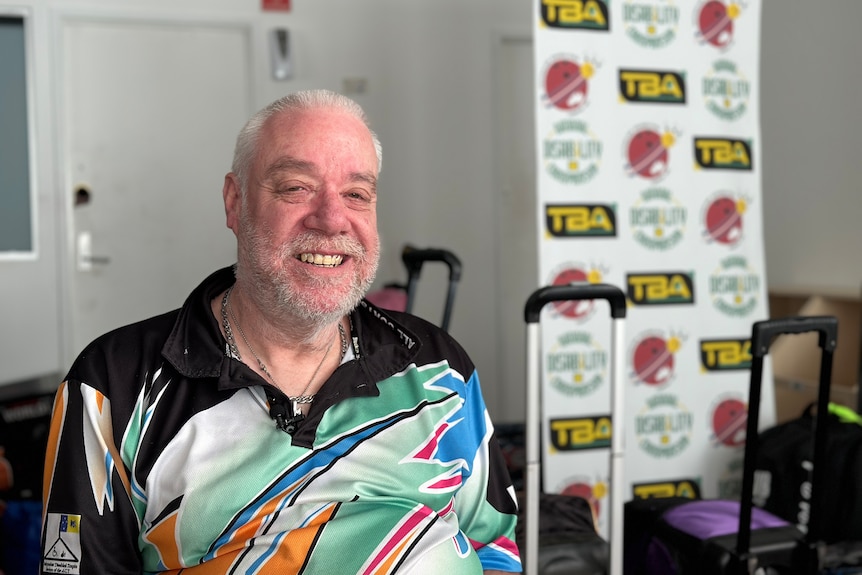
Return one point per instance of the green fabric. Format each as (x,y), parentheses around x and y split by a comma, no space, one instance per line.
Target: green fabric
(845,414)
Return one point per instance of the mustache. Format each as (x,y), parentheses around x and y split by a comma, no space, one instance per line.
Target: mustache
(314,242)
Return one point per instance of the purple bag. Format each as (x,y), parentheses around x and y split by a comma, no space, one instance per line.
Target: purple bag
(710,518)
(701,523)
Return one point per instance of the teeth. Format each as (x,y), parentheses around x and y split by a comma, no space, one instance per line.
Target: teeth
(321,260)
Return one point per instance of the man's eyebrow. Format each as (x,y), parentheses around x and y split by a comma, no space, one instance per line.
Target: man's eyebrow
(366,177)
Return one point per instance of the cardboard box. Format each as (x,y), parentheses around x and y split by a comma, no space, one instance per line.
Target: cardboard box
(796,358)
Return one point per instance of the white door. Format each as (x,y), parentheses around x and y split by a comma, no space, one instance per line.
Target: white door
(150,113)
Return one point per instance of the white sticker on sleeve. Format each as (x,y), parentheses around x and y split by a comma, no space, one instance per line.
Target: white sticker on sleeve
(63,549)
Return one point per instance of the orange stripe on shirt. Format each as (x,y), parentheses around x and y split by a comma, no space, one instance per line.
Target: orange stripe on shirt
(297,545)
(251,528)
(164,537)
(58,417)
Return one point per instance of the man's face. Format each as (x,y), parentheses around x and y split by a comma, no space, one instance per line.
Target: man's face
(307,226)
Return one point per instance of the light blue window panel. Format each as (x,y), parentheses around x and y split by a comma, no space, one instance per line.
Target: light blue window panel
(16,217)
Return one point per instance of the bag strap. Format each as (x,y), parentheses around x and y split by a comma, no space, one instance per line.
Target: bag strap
(845,414)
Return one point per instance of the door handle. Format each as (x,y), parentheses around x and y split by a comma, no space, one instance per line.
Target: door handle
(85,258)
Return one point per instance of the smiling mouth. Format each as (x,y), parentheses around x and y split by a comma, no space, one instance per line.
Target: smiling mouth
(327,261)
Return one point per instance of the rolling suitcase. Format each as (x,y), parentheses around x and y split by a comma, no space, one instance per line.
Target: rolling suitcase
(783,475)
(734,537)
(534,501)
(401,297)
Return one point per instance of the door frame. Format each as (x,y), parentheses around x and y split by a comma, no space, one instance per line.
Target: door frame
(32,349)
(510,388)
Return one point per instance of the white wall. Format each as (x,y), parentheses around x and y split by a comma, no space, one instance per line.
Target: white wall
(812,137)
(430,93)
(428,72)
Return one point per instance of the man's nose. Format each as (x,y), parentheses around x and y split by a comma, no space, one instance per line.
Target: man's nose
(328,214)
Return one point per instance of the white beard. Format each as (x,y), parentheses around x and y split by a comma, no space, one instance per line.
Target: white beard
(262,267)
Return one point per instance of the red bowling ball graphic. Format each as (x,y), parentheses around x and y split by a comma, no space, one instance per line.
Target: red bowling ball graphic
(566,84)
(653,360)
(724,220)
(577,309)
(585,491)
(648,154)
(716,23)
(728,422)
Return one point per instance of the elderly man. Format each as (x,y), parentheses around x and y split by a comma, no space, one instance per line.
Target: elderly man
(278,422)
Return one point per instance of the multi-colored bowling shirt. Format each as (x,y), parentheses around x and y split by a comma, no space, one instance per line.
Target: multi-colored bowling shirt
(163,457)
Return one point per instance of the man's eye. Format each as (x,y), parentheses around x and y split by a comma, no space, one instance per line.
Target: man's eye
(292,190)
(359,195)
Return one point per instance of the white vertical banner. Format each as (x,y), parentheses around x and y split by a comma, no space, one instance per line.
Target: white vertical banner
(649,178)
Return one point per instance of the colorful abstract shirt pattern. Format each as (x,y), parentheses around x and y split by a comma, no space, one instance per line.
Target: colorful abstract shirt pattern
(163,461)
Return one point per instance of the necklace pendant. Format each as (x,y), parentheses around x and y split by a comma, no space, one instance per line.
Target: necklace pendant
(297,412)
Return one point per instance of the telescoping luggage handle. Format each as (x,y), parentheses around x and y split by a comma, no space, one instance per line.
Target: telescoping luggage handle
(414,258)
(574,291)
(532,312)
(762,335)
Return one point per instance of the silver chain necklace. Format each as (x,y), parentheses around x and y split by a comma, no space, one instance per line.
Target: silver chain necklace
(302,398)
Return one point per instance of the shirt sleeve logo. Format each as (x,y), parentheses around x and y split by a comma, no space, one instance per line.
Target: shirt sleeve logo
(64,553)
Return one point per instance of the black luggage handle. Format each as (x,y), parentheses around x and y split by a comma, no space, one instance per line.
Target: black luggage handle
(575,291)
(414,258)
(762,335)
(763,332)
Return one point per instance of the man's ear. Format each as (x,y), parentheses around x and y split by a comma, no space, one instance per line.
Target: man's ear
(232,201)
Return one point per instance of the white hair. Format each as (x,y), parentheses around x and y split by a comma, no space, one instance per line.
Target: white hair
(247,140)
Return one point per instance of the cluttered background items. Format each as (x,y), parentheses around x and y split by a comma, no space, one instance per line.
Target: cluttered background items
(25,419)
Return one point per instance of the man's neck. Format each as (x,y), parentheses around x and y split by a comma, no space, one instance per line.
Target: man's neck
(293,356)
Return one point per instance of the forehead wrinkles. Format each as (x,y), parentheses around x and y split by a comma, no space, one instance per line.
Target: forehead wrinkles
(318,133)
